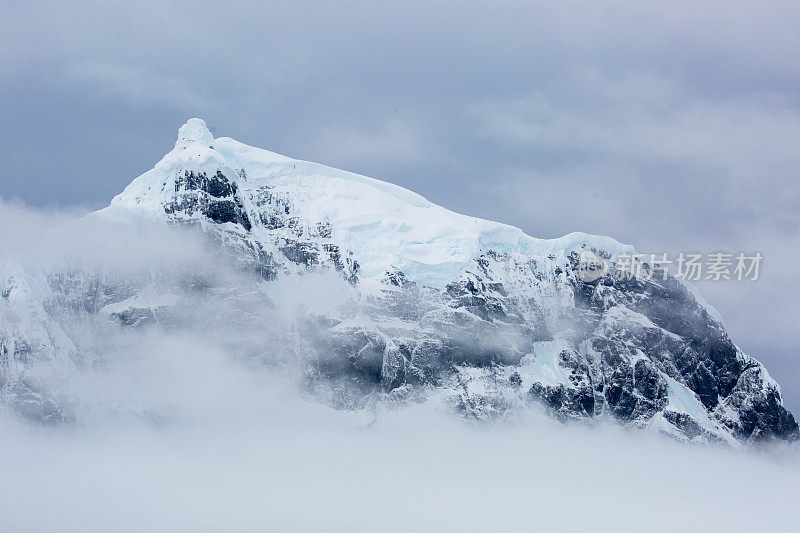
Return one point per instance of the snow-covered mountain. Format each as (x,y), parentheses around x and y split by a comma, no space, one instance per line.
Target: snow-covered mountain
(474,312)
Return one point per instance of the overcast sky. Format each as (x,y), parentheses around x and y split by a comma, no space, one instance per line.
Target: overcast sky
(673,126)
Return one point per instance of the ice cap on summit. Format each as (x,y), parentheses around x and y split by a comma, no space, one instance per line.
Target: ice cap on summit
(381,223)
(194,130)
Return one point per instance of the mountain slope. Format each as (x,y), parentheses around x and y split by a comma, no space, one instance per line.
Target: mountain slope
(475,312)
(381,223)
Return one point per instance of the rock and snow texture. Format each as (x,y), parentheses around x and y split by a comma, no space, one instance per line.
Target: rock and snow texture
(443,304)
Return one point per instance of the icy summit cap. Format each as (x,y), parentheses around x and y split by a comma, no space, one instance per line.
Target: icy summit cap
(194,131)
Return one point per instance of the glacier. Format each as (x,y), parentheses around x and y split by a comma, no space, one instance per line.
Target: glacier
(369,292)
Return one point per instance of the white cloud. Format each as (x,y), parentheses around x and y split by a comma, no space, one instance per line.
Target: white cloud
(290,465)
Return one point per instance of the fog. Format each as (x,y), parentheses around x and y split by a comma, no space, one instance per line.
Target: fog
(204,420)
(295,466)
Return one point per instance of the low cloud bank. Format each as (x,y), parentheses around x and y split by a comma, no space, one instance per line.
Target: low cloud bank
(302,467)
(203,422)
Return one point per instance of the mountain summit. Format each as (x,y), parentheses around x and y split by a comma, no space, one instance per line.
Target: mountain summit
(194,131)
(383,225)
(442,305)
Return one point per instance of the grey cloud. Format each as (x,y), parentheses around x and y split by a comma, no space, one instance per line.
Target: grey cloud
(646,117)
(132,83)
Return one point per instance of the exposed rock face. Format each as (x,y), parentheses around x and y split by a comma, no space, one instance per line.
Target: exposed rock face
(492,318)
(214,197)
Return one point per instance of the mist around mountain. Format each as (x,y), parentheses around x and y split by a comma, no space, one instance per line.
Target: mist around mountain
(190,359)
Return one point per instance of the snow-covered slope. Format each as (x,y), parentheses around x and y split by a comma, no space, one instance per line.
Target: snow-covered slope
(382,224)
(440,304)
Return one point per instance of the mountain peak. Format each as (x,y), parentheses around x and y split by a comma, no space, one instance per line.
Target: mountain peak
(491,318)
(383,224)
(195,131)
